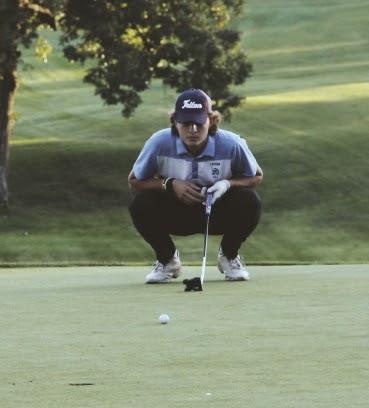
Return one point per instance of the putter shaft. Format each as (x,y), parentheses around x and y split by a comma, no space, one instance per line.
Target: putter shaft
(209,198)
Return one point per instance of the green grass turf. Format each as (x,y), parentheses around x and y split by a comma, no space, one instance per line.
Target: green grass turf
(305,118)
(293,336)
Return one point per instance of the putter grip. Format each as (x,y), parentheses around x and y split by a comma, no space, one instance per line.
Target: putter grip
(209,198)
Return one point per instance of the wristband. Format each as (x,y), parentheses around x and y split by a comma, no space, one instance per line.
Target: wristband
(167,184)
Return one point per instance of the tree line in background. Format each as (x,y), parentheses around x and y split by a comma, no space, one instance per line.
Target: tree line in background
(185,44)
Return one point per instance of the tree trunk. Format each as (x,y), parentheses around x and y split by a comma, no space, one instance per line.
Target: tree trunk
(8,83)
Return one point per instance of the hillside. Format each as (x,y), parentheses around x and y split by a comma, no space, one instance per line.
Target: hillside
(305,118)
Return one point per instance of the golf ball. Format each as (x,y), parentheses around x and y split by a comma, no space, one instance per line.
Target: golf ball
(164,319)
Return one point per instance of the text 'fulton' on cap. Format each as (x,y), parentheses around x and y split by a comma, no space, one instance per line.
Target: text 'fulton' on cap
(193,105)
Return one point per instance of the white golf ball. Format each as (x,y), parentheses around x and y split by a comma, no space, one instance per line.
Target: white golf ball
(164,319)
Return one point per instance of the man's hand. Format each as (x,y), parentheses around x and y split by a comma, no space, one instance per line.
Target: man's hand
(218,189)
(187,192)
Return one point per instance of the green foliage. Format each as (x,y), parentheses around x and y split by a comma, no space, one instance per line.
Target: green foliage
(185,44)
(43,49)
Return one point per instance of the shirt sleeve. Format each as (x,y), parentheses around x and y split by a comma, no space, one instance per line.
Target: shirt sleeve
(244,163)
(146,165)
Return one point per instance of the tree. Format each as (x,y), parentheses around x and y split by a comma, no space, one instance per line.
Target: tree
(185,44)
(19,20)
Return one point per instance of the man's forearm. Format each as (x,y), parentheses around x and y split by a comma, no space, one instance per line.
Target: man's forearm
(152,183)
(248,181)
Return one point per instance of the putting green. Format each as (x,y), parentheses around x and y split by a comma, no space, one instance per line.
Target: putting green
(293,336)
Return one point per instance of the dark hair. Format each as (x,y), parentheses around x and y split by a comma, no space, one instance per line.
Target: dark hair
(215,117)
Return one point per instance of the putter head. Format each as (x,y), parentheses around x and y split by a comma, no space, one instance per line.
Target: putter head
(193,284)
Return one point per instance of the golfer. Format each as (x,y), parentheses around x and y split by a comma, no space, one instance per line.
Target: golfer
(175,168)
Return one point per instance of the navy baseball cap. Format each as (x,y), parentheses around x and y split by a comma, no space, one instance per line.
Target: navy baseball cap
(193,105)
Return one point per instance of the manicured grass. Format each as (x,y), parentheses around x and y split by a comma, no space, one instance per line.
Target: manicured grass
(293,336)
(305,118)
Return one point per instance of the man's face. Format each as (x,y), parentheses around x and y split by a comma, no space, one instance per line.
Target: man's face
(194,135)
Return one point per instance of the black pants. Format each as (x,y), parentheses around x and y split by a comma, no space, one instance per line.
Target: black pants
(157,215)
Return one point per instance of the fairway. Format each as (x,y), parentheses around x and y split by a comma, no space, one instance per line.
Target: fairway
(293,336)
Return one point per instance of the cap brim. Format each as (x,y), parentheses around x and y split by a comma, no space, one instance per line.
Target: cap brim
(199,118)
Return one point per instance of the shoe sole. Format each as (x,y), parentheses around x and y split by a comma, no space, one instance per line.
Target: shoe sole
(175,275)
(151,282)
(228,278)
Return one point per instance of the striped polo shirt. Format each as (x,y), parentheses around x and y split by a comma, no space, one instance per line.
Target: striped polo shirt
(225,156)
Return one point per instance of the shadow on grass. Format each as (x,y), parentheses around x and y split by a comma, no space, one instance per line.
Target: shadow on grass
(70,177)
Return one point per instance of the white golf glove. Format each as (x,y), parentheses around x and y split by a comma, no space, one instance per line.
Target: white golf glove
(218,189)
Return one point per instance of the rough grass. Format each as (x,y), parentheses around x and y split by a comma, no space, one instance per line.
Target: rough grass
(305,118)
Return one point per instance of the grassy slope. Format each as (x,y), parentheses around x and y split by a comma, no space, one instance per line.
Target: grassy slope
(308,103)
(305,119)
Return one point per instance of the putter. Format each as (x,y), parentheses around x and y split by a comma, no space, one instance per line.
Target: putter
(209,198)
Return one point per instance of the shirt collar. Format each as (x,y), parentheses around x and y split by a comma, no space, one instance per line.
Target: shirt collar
(208,151)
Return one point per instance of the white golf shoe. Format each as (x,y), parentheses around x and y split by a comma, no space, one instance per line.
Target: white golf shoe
(164,273)
(233,269)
